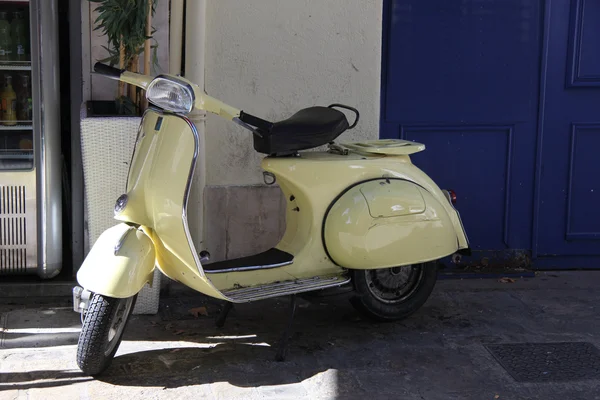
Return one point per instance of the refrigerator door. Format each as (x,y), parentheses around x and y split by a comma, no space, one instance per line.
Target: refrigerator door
(30,145)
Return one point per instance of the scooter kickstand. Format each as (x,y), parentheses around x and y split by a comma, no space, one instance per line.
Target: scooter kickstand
(283,343)
(220,321)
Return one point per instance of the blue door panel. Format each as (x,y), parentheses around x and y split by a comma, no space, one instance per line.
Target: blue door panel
(462,77)
(583,183)
(569,220)
(474,149)
(455,60)
(584,42)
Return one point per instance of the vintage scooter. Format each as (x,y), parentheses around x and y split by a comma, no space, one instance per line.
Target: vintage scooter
(358,213)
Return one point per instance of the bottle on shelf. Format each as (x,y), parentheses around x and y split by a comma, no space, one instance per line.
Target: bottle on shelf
(24,102)
(5,38)
(4,19)
(19,36)
(9,103)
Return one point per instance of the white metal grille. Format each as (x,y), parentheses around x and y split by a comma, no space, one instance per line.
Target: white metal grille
(13,229)
(18,242)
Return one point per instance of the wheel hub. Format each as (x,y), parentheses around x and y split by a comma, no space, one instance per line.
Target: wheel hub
(394,285)
(118,323)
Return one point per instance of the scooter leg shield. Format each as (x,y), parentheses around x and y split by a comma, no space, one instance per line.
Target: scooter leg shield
(119,264)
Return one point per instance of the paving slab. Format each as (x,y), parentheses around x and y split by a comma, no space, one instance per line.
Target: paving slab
(438,353)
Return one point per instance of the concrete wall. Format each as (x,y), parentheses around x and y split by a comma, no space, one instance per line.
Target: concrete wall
(272,58)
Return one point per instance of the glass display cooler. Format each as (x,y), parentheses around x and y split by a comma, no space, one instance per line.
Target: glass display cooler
(30,145)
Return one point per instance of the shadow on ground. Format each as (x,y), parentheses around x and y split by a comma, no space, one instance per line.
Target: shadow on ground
(437,353)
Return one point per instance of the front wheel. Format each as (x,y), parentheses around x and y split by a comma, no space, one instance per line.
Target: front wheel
(391,294)
(102,331)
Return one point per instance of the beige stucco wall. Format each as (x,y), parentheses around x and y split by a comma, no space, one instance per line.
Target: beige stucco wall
(272,58)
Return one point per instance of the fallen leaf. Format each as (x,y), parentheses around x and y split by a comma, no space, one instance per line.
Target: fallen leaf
(196,312)
(506,280)
(179,332)
(168,326)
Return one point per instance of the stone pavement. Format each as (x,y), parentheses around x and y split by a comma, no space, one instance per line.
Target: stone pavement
(438,353)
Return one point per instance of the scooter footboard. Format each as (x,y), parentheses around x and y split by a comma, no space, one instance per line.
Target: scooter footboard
(119,264)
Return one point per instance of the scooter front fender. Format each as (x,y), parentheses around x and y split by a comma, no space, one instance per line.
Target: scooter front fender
(120,263)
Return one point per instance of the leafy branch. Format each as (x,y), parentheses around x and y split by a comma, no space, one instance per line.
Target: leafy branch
(123,22)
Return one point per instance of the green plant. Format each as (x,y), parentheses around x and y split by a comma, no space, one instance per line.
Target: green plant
(127,26)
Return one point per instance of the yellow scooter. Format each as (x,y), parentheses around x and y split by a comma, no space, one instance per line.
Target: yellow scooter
(358,213)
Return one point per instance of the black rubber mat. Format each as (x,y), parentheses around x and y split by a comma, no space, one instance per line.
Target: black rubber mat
(270,258)
(548,362)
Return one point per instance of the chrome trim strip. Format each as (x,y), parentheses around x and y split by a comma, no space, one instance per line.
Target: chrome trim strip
(284,288)
(122,240)
(188,184)
(249,268)
(186,195)
(137,139)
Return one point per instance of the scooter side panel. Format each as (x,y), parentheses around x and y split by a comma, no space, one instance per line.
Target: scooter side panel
(312,182)
(158,189)
(410,226)
(119,264)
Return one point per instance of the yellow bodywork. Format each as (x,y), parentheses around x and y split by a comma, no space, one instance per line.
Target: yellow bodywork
(369,208)
(119,264)
(388,223)
(311,184)
(157,187)
(397,223)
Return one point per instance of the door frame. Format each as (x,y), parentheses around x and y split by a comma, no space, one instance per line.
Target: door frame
(537,180)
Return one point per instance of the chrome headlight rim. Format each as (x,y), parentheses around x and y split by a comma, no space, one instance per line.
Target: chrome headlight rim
(169,78)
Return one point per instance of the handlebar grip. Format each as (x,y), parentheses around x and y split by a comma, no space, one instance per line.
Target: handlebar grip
(107,70)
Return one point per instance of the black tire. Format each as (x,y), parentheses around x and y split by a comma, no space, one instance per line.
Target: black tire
(380,296)
(96,348)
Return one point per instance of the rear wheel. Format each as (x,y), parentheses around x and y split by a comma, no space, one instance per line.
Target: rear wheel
(102,331)
(391,294)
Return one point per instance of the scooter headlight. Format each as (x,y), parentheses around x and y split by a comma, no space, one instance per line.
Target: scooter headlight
(171,94)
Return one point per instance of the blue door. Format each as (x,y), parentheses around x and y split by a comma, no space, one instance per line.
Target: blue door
(505,95)
(462,77)
(569,193)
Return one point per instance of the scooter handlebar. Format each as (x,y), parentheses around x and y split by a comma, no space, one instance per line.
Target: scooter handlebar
(123,75)
(203,101)
(108,71)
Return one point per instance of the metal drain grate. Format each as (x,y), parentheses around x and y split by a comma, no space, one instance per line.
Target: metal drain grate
(548,362)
